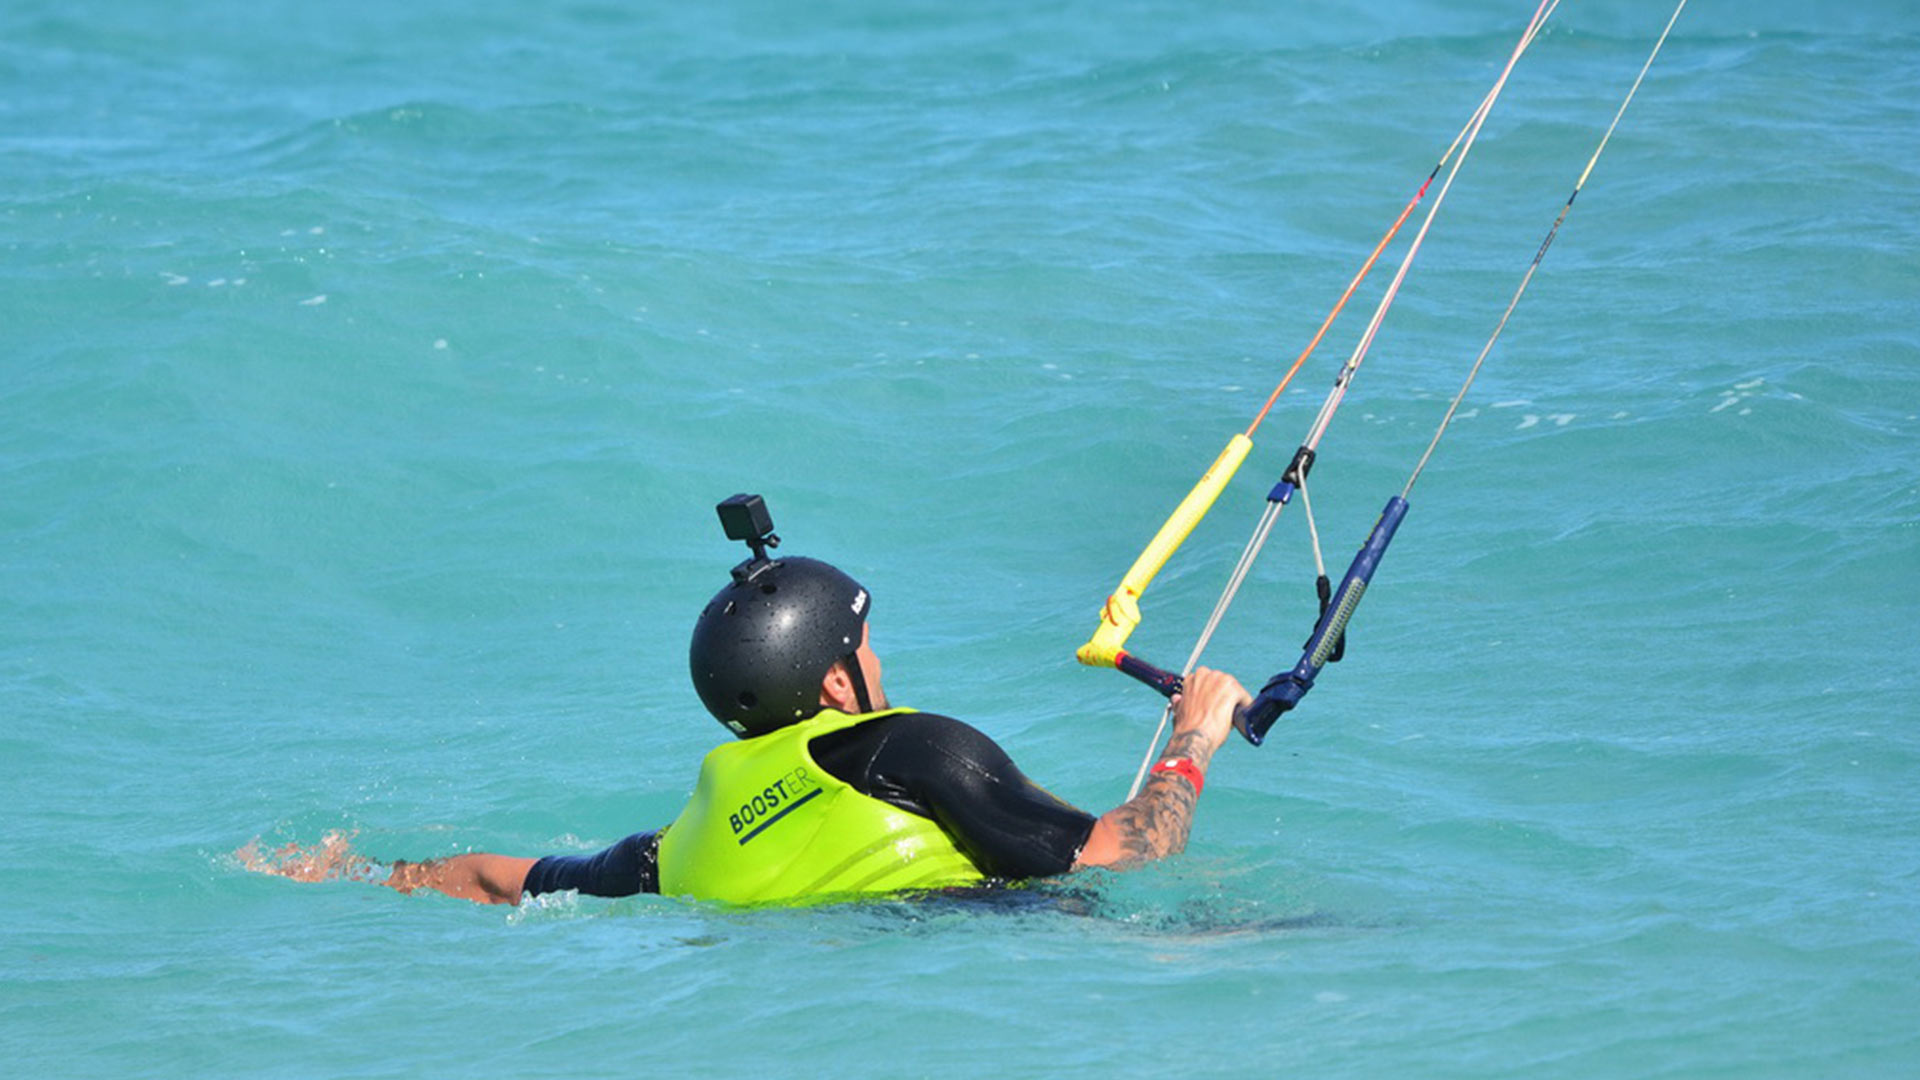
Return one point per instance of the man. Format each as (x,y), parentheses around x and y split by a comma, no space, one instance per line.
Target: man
(830,791)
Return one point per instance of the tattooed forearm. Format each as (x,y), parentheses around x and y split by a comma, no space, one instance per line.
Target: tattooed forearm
(1156,822)
(1190,744)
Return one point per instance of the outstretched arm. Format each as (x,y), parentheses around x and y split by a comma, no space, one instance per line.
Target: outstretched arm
(1155,823)
(482,878)
(479,877)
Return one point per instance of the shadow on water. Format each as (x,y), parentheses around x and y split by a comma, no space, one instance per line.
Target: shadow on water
(1102,903)
(1109,901)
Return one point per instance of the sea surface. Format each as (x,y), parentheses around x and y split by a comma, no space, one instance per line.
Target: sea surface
(369,371)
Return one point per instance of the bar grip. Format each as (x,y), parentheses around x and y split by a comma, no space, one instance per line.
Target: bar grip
(1285,690)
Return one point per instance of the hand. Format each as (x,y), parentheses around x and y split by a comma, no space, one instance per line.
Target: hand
(329,860)
(483,878)
(1206,706)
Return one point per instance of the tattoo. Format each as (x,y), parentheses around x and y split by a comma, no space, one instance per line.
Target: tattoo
(1156,822)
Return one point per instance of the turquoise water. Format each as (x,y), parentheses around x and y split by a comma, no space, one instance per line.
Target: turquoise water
(371,371)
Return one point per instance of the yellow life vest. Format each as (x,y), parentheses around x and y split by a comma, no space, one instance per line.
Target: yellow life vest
(766,823)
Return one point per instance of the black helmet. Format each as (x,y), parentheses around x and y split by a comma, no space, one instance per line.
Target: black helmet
(766,640)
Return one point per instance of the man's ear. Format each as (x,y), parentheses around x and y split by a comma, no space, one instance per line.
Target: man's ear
(836,689)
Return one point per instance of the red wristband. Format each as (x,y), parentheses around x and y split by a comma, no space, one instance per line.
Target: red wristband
(1186,768)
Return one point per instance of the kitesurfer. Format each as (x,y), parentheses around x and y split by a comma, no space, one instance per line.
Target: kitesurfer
(829,789)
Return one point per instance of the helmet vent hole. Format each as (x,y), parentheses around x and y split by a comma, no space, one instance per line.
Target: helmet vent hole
(769,588)
(748,700)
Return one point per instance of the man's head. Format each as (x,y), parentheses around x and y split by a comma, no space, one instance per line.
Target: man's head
(782,639)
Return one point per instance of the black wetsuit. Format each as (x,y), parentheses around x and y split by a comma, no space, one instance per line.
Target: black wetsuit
(930,765)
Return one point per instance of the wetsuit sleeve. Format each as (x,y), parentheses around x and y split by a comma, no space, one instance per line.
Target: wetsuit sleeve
(628,867)
(1008,825)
